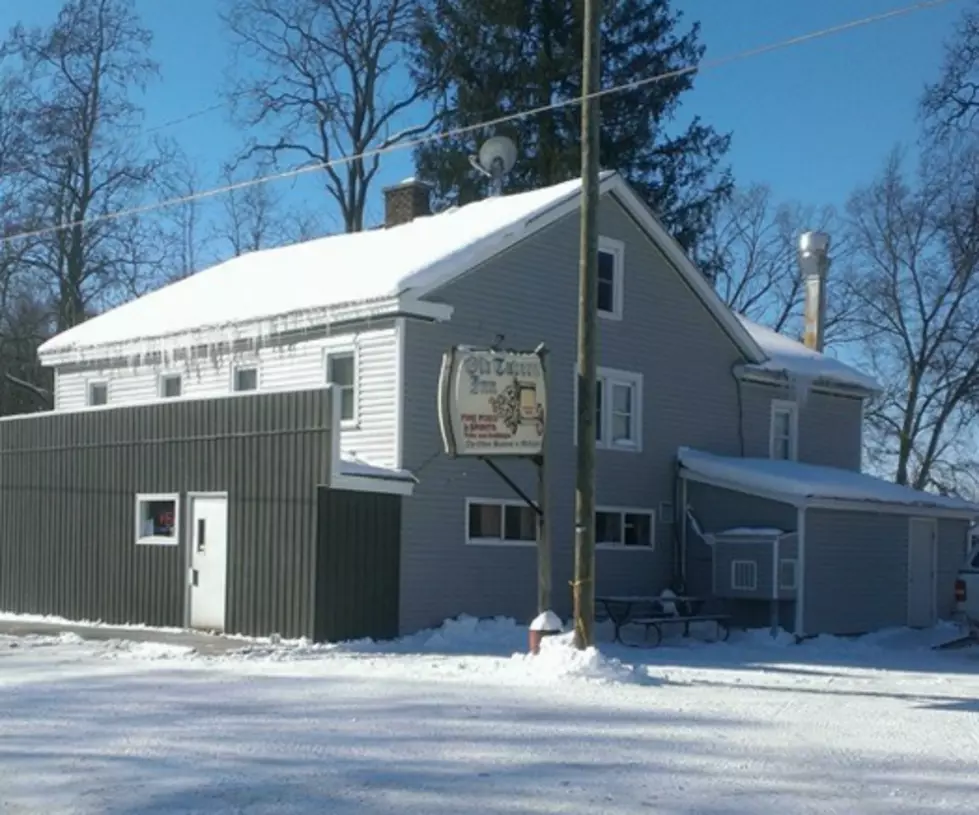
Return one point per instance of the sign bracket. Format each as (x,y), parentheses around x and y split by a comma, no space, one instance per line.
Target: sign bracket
(513,484)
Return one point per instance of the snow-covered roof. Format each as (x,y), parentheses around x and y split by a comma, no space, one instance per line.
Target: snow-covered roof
(383,271)
(288,287)
(804,484)
(793,358)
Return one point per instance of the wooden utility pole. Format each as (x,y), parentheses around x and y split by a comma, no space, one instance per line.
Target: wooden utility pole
(544,538)
(584,560)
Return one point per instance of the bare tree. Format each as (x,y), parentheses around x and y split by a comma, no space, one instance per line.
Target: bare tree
(952,103)
(915,284)
(90,161)
(751,246)
(331,86)
(255,217)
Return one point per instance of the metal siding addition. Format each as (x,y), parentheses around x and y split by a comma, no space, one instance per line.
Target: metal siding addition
(358,565)
(68,487)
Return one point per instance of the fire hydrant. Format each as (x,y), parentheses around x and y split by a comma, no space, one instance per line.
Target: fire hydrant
(545,624)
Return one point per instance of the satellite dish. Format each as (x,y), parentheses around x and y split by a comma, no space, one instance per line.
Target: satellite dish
(496,158)
(498,149)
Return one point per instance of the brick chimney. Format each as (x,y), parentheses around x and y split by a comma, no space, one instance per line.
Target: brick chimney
(406,201)
(814,265)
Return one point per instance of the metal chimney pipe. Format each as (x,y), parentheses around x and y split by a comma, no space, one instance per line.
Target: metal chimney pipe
(814,265)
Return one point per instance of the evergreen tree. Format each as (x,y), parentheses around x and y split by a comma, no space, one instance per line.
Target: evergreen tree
(497,57)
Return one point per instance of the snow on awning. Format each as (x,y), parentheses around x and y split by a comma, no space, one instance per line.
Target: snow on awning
(813,485)
(785,355)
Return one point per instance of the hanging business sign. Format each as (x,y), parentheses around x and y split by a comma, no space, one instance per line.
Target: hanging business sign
(492,403)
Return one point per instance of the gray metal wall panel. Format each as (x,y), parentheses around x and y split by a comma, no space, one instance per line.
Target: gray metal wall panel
(856,572)
(357,565)
(68,484)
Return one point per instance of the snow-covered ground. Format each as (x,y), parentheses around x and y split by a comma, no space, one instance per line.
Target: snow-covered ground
(454,721)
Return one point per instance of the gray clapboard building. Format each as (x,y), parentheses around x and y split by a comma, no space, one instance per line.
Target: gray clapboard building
(729,457)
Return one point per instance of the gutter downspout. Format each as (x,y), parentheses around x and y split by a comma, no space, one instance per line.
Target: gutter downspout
(800,588)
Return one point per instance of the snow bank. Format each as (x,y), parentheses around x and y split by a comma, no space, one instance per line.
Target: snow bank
(560,661)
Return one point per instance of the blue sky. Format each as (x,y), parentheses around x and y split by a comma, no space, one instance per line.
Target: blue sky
(813,121)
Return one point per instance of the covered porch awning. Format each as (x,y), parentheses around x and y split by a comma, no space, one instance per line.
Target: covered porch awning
(811,486)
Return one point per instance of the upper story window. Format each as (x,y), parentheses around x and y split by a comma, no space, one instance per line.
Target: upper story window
(245,378)
(171,386)
(611,267)
(98,393)
(618,410)
(341,372)
(784,431)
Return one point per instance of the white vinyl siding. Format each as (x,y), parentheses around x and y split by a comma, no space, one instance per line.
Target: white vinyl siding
(292,367)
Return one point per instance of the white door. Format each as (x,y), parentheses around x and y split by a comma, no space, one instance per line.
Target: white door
(208,562)
(922,551)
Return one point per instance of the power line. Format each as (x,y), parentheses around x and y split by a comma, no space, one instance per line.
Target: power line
(460,131)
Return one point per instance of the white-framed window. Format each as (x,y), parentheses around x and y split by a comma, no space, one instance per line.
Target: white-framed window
(97,393)
(744,575)
(625,528)
(490,521)
(618,410)
(611,276)
(341,372)
(158,519)
(244,378)
(788,574)
(171,386)
(784,431)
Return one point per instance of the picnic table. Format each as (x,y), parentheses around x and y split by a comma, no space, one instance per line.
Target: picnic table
(653,612)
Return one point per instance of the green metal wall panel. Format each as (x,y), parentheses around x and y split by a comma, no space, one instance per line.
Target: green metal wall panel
(68,486)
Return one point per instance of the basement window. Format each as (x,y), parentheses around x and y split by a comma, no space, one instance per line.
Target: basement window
(157,519)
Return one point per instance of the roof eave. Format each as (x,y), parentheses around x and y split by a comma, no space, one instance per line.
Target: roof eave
(755,373)
(405,303)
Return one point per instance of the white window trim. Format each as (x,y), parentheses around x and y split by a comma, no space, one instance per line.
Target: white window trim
(88,391)
(616,248)
(344,351)
(156,540)
(753,571)
(246,366)
(621,547)
(778,406)
(500,502)
(608,377)
(169,375)
(783,586)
